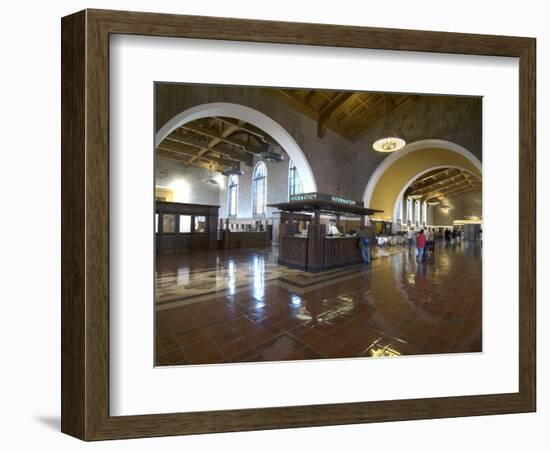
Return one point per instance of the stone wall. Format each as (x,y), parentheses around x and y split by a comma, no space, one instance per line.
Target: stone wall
(186,183)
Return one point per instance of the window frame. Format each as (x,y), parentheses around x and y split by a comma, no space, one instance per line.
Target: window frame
(256,179)
(230,188)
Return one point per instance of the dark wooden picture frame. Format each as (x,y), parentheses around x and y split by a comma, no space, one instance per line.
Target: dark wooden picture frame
(85,224)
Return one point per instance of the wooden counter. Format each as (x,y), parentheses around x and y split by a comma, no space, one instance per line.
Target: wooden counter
(293,251)
(245,239)
(341,251)
(318,251)
(315,255)
(170,239)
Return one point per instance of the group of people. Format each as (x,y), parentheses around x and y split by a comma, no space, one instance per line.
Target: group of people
(423,241)
(454,235)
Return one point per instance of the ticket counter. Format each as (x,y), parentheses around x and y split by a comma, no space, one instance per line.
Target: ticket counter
(315,250)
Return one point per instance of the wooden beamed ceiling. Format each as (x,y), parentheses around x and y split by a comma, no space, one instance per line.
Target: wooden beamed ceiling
(444,183)
(214,143)
(350,114)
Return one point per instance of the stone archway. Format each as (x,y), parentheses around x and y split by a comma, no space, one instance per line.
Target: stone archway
(398,170)
(256,118)
(418,175)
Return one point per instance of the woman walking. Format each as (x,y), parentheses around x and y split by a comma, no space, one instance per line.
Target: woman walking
(420,245)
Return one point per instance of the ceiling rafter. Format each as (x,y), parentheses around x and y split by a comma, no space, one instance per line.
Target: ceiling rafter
(192,152)
(443,190)
(308,110)
(439,184)
(213,142)
(443,182)
(249,129)
(174,156)
(331,107)
(224,136)
(432,178)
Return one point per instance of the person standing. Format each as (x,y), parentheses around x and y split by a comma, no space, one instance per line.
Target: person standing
(410,237)
(364,244)
(447,236)
(428,235)
(420,245)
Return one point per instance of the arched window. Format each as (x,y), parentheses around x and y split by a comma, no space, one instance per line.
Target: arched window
(295,185)
(259,189)
(232,195)
(409,211)
(417,212)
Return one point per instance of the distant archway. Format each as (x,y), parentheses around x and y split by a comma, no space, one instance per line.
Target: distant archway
(417,176)
(256,118)
(398,170)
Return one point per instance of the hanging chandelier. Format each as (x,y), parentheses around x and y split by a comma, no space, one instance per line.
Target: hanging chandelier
(389,144)
(389,141)
(210,178)
(415,196)
(233,169)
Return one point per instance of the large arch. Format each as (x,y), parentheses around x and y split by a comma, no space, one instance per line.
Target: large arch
(418,175)
(398,170)
(256,118)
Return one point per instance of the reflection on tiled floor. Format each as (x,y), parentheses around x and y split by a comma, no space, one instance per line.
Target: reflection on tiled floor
(239,305)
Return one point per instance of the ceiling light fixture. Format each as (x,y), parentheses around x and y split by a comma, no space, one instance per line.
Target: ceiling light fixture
(271,154)
(389,141)
(233,169)
(210,179)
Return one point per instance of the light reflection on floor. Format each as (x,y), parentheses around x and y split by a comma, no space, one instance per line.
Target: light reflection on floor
(239,305)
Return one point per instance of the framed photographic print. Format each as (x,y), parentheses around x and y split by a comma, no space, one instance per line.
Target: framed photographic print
(270,224)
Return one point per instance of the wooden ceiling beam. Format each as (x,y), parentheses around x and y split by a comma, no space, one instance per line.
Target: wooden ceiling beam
(434,178)
(442,190)
(441,184)
(192,153)
(203,148)
(214,134)
(214,142)
(397,109)
(460,191)
(309,96)
(336,103)
(197,163)
(308,111)
(461,188)
(248,128)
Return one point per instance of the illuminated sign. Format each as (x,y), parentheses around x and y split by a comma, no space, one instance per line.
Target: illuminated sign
(327,197)
(344,201)
(302,197)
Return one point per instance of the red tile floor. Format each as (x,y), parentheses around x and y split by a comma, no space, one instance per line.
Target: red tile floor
(239,305)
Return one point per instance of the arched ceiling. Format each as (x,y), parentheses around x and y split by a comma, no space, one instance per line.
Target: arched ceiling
(214,143)
(445,182)
(407,169)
